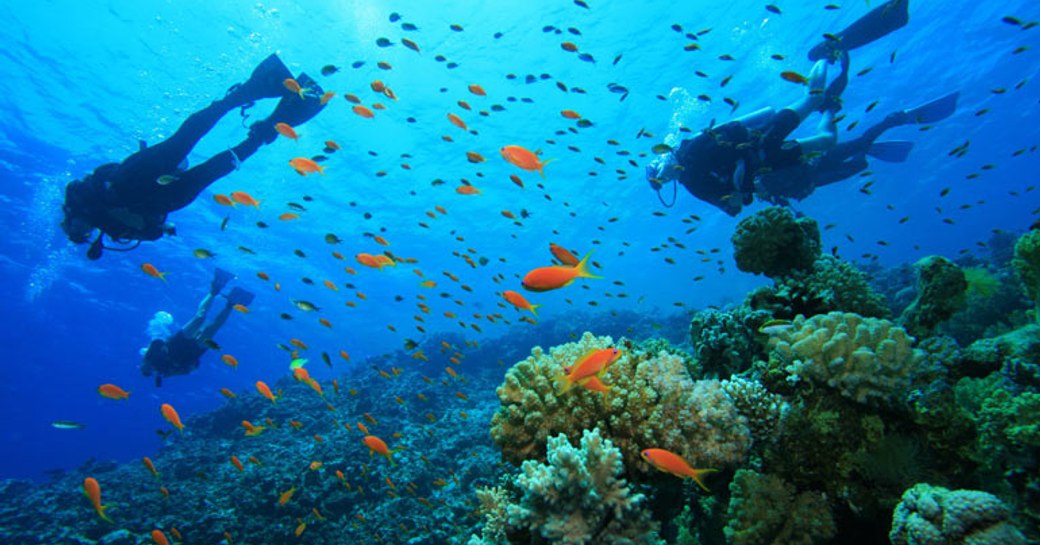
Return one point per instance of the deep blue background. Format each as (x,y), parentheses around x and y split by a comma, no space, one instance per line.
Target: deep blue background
(85,80)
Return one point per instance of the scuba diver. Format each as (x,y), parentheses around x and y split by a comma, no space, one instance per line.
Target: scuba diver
(179,353)
(130,201)
(728,165)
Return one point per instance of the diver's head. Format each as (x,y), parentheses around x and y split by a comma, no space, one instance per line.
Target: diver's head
(75,223)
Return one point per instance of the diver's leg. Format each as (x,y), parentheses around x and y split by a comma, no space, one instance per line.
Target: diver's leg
(814,96)
(829,172)
(193,325)
(757,119)
(862,143)
(825,138)
(195,180)
(211,329)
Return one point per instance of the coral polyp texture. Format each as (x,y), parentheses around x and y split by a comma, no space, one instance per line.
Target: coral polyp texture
(654,403)
(868,360)
(775,243)
(1027,265)
(763,509)
(933,515)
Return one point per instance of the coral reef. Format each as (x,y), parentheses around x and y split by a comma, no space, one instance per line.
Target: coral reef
(933,515)
(763,410)
(868,360)
(940,292)
(579,496)
(775,243)
(724,341)
(654,403)
(1027,264)
(1016,354)
(765,510)
(829,285)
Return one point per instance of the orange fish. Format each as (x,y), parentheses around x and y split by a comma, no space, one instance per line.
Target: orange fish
(160,537)
(150,270)
(262,276)
(570,114)
(304,166)
(569,47)
(378,106)
(384,261)
(223,200)
(242,308)
(251,430)
(378,446)
(300,527)
(380,240)
(171,416)
(363,111)
(288,216)
(151,467)
(477,90)
(592,364)
(352,98)
(93,491)
(176,533)
(563,255)
(464,105)
(474,157)
(294,86)
(265,391)
(467,190)
(457,121)
(286,496)
(519,302)
(298,344)
(326,97)
(673,463)
(111,391)
(516,180)
(228,393)
(332,145)
(523,158)
(237,463)
(287,131)
(556,276)
(793,77)
(378,86)
(243,198)
(230,360)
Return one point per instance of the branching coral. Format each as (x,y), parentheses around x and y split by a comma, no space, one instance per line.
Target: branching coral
(763,410)
(579,496)
(654,403)
(868,360)
(774,243)
(933,515)
(765,510)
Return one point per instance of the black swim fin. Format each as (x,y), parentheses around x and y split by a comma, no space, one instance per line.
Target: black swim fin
(934,111)
(266,81)
(896,151)
(294,110)
(239,296)
(220,279)
(880,22)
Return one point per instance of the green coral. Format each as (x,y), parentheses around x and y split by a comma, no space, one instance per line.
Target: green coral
(868,360)
(981,282)
(933,515)
(765,510)
(829,285)
(940,292)
(725,342)
(579,496)
(1027,264)
(654,403)
(775,243)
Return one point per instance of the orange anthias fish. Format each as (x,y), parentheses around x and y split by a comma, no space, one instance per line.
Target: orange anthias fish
(304,166)
(477,90)
(288,216)
(378,446)
(563,255)
(265,391)
(467,190)
(286,496)
(794,77)
(171,416)
(570,114)
(518,301)
(241,197)
(93,491)
(150,270)
(329,95)
(160,537)
(294,86)
(230,360)
(457,121)
(151,467)
(556,276)
(593,364)
(673,463)
(237,463)
(363,111)
(223,200)
(287,131)
(111,391)
(228,393)
(251,429)
(523,158)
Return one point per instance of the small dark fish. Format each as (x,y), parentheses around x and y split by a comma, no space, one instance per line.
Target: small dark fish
(210,343)
(872,105)
(409,344)
(319,158)
(456,28)
(286,316)
(307,281)
(67,425)
(325,358)
(307,198)
(331,238)
(616,59)
(581,4)
(777,57)
(357,64)
(773,9)
(864,72)
(584,123)
(1011,20)
(224,222)
(831,7)
(262,225)
(831,37)
(329,69)
(497,35)
(299,253)
(726,57)
(395,17)
(574,31)
(409,27)
(725,81)
(410,44)
(246,250)
(586,57)
(384,42)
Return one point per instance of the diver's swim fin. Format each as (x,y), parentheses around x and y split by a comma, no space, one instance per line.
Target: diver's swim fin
(881,21)
(220,279)
(266,81)
(895,151)
(934,111)
(295,110)
(239,296)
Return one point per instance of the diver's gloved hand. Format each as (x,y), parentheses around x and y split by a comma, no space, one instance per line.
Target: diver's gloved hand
(169,229)
(661,170)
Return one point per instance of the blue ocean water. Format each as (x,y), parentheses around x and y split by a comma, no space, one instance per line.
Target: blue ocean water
(86,80)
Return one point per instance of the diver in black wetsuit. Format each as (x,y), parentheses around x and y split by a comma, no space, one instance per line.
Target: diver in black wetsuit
(130,201)
(179,353)
(728,165)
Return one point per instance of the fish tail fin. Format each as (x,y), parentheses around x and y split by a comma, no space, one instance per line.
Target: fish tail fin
(162,276)
(698,474)
(542,164)
(583,268)
(104,517)
(533,311)
(390,456)
(565,384)
(321,170)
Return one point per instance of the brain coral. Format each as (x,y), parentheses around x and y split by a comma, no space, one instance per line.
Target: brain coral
(868,360)
(933,515)
(774,243)
(654,404)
